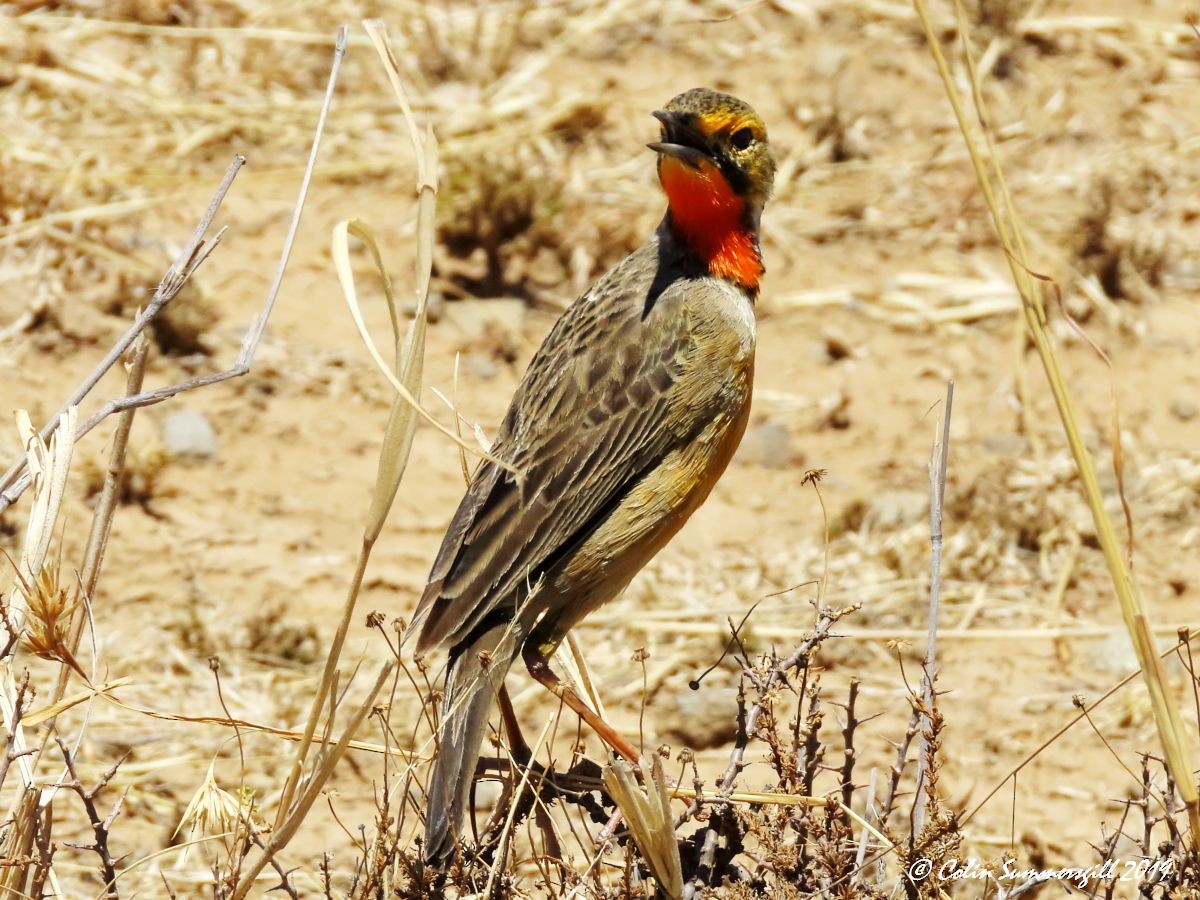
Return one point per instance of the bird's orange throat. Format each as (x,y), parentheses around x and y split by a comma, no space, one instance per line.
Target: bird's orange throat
(710,217)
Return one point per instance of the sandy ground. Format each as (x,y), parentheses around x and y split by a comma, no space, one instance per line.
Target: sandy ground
(883,282)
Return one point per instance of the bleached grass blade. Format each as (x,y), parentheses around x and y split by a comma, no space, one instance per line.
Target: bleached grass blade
(49,466)
(397,441)
(647,812)
(406,394)
(38,716)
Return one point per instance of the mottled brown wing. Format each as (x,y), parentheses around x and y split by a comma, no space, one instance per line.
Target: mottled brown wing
(592,414)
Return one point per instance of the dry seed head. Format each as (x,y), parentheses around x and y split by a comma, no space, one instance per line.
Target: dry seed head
(50,609)
(213,810)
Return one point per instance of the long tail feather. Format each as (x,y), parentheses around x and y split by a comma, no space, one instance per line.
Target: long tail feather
(475,674)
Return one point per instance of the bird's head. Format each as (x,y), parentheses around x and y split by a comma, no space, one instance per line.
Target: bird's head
(717,170)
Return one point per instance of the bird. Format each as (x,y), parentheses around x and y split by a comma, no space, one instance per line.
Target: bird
(625,418)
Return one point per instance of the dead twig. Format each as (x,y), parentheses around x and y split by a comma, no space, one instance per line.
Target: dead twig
(100,826)
(10,751)
(13,483)
(938,464)
(102,519)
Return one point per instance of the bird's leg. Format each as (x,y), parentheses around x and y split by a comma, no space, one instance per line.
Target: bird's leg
(518,748)
(537,661)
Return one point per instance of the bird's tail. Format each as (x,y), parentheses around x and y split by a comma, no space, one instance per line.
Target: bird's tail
(476,672)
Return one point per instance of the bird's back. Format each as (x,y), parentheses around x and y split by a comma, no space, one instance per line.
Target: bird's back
(650,368)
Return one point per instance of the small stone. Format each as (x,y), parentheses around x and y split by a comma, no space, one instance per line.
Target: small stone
(1114,654)
(1002,444)
(699,719)
(890,510)
(498,318)
(187,435)
(768,444)
(829,60)
(479,365)
(836,348)
(1183,410)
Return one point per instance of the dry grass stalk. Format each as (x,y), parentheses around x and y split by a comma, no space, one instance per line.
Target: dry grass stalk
(1008,228)
(938,464)
(324,767)
(402,420)
(50,711)
(20,876)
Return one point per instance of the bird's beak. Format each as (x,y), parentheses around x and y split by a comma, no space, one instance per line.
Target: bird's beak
(681,140)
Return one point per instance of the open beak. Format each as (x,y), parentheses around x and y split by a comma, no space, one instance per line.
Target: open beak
(681,140)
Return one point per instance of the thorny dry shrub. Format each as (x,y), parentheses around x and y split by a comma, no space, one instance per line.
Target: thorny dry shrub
(1117,242)
(501,206)
(839,843)
(1147,846)
(725,849)
(521,225)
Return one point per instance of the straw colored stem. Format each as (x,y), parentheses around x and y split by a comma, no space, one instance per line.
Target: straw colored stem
(106,506)
(287,829)
(327,677)
(937,494)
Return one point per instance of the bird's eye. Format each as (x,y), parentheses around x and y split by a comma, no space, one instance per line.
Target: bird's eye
(742,138)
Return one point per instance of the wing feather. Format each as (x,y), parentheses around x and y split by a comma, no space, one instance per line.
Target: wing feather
(594,410)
